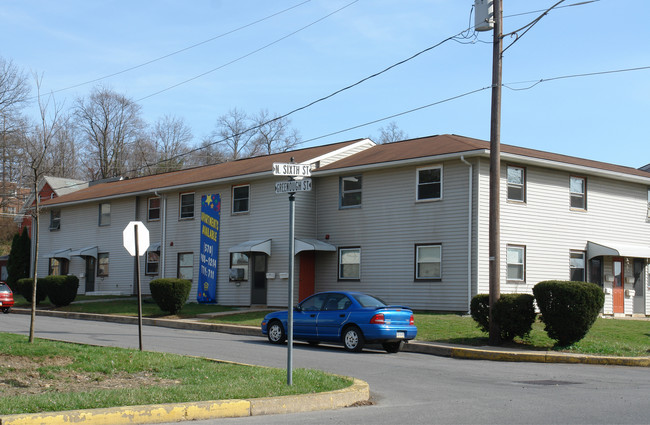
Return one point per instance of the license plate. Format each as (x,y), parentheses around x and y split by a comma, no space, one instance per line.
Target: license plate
(400,335)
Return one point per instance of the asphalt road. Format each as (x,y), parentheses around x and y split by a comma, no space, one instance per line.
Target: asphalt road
(405,387)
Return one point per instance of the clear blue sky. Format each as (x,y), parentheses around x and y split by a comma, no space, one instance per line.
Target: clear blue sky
(284,63)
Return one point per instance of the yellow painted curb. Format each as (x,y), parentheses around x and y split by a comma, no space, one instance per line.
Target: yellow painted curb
(157,413)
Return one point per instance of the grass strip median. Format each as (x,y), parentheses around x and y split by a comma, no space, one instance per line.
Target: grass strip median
(50,376)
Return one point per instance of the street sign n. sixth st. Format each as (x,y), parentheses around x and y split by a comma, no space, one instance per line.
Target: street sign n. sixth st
(303,185)
(293,170)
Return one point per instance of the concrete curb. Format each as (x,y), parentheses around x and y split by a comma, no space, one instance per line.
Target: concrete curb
(483,353)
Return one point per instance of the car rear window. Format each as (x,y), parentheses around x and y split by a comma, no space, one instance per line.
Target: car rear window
(369,301)
(4,288)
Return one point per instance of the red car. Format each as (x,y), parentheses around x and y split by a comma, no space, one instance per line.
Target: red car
(6,297)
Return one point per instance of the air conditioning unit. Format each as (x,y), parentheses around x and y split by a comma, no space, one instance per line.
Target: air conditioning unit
(236,274)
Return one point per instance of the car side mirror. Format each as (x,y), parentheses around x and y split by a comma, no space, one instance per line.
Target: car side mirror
(297,308)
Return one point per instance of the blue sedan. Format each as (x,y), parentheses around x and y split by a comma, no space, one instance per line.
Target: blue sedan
(353,318)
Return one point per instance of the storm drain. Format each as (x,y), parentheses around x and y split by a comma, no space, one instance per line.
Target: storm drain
(548,382)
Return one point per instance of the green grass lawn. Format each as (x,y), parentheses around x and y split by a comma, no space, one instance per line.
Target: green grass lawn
(53,376)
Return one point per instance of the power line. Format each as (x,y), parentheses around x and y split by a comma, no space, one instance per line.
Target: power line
(563,77)
(247,54)
(175,52)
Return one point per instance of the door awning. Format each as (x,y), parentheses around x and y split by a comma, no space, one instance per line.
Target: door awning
(61,253)
(258,245)
(154,247)
(304,244)
(615,249)
(89,251)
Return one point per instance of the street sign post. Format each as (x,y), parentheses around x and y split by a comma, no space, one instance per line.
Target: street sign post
(290,169)
(136,240)
(289,186)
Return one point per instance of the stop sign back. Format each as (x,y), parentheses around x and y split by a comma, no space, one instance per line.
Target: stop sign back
(128,237)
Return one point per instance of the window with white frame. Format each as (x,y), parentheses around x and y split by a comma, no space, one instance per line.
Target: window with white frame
(516,263)
(239,261)
(577,266)
(240,199)
(102,264)
(153,210)
(429,183)
(186,205)
(104,214)
(55,219)
(516,183)
(153,262)
(578,191)
(58,266)
(185,265)
(350,192)
(350,263)
(428,262)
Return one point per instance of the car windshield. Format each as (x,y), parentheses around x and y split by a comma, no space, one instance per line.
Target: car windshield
(369,301)
(4,288)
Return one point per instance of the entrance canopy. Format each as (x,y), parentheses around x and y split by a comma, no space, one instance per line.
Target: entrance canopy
(303,244)
(61,253)
(615,249)
(258,245)
(89,251)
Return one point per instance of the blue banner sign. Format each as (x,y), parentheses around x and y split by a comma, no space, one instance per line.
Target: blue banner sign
(210,216)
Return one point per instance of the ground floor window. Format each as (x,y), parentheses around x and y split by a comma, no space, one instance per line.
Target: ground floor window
(153,260)
(596,271)
(428,261)
(185,265)
(58,266)
(516,263)
(350,263)
(102,264)
(239,266)
(577,266)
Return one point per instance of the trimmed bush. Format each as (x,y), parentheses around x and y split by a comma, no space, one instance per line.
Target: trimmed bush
(568,308)
(61,290)
(479,308)
(515,314)
(25,288)
(170,294)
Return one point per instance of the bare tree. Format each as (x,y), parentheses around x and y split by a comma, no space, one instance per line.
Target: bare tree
(37,142)
(273,134)
(391,133)
(110,124)
(233,135)
(206,154)
(63,156)
(171,137)
(14,91)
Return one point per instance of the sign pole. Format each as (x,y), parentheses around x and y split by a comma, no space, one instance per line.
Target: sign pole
(137,274)
(292,208)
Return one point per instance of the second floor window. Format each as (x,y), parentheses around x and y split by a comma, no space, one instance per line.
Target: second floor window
(429,184)
(240,199)
(350,190)
(55,219)
(578,190)
(153,212)
(186,205)
(516,184)
(104,214)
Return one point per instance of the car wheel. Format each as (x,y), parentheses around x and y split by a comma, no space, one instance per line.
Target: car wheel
(6,310)
(393,347)
(353,339)
(276,333)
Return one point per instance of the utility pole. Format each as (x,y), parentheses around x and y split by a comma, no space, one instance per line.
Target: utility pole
(495,174)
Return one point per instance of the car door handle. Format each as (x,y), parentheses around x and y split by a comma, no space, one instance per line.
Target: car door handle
(341,315)
(312,315)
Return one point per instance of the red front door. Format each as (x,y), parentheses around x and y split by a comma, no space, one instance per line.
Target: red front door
(617,289)
(306,282)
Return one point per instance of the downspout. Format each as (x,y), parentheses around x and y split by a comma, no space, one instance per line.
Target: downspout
(469,233)
(163,232)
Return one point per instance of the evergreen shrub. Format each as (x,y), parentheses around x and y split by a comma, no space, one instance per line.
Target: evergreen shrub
(170,294)
(479,308)
(25,288)
(62,290)
(568,308)
(515,314)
